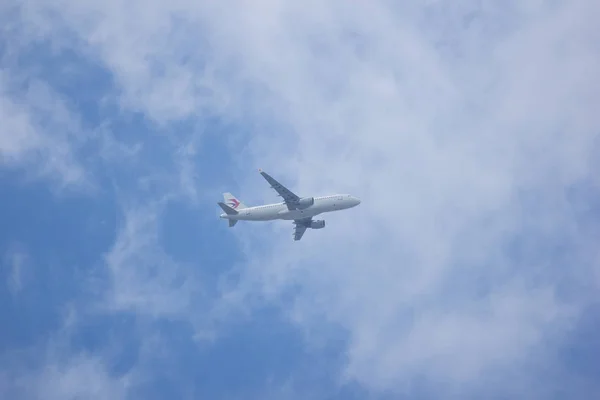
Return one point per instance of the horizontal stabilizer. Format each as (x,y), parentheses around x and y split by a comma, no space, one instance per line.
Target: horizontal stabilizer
(232,222)
(228,210)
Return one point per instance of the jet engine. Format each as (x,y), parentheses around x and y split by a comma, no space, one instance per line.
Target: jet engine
(305,202)
(318,224)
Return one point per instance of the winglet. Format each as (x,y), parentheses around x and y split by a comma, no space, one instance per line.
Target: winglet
(259,170)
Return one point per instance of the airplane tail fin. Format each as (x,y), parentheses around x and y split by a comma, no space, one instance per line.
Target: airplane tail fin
(232,202)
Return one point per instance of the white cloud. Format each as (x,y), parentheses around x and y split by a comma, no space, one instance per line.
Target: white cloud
(82,376)
(454,157)
(53,369)
(78,376)
(39,132)
(459,125)
(17,263)
(143,278)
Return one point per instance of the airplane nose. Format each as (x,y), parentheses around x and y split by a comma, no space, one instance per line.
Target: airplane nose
(357,200)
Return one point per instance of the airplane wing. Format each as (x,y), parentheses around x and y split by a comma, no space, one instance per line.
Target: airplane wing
(300,228)
(288,196)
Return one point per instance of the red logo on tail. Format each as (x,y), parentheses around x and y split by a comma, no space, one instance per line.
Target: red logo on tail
(233,203)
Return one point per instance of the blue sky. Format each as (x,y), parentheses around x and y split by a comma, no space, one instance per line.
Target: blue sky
(468,129)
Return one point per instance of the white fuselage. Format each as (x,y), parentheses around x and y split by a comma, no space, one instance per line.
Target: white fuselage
(271,212)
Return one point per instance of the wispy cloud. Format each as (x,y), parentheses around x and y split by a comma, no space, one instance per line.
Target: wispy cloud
(39,131)
(15,264)
(52,369)
(143,278)
(462,152)
(461,126)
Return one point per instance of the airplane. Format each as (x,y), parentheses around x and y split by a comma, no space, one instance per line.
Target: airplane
(301,210)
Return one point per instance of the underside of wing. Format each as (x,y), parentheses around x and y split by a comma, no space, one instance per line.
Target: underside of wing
(288,196)
(300,227)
